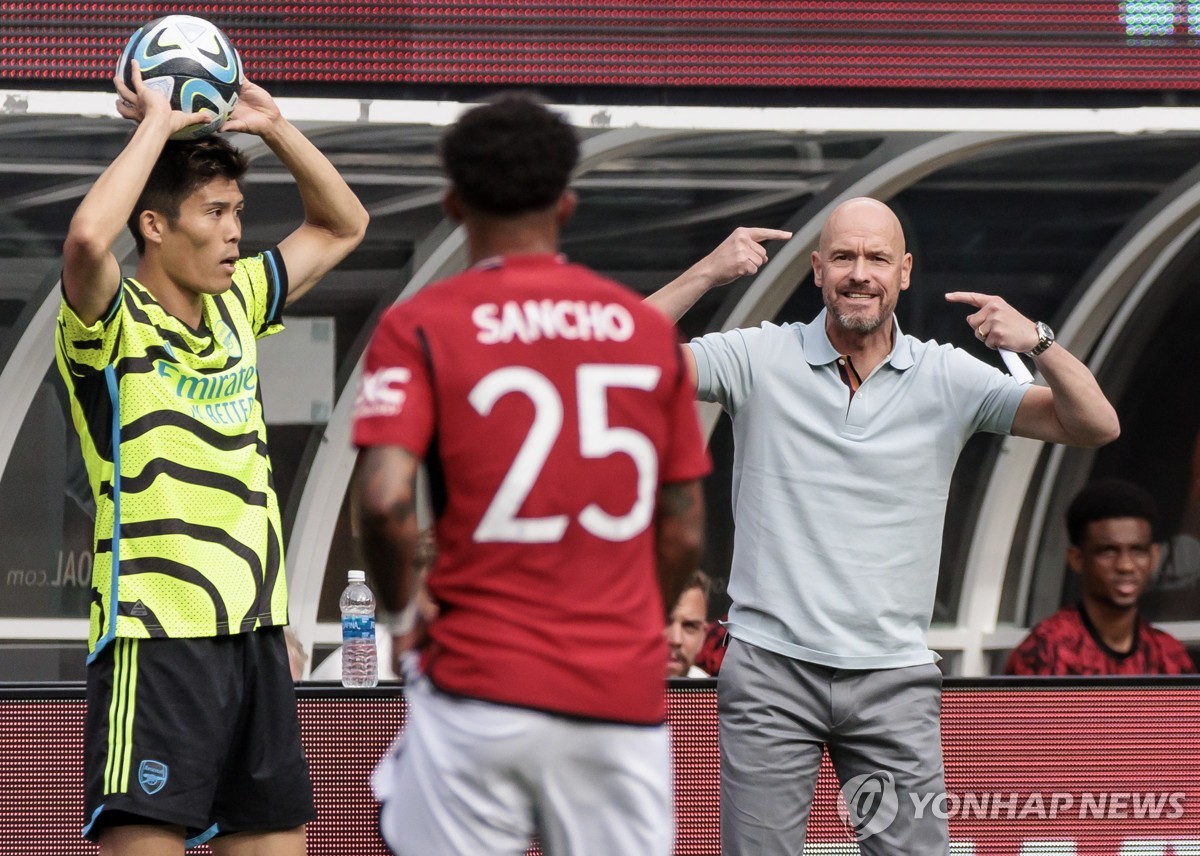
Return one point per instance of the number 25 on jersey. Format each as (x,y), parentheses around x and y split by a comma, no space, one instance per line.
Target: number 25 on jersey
(597,439)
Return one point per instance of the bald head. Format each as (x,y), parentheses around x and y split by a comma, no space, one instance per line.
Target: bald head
(864,215)
(861,267)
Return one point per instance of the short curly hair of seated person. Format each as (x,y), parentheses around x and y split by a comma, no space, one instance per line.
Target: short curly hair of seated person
(1108,499)
(509,156)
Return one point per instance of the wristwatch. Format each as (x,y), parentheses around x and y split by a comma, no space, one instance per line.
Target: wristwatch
(1045,339)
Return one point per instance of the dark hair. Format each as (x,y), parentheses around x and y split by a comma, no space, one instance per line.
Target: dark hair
(698,580)
(181,168)
(509,156)
(1105,500)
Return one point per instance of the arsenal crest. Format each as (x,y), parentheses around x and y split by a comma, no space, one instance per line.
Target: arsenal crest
(152,775)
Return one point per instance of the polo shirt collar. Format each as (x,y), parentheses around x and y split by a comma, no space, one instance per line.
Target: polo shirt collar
(819,351)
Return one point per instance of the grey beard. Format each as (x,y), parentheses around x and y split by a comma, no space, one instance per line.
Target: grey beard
(858,323)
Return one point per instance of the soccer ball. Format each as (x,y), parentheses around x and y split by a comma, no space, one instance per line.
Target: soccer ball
(192,63)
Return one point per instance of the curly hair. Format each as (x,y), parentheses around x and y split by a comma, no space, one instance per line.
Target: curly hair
(181,168)
(509,156)
(1105,500)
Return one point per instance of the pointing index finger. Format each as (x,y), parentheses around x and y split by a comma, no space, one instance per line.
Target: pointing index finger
(970,297)
(758,233)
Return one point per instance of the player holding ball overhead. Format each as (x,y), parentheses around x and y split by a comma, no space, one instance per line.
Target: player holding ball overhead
(191,731)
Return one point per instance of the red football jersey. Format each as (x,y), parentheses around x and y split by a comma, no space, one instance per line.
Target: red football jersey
(549,405)
(1066,643)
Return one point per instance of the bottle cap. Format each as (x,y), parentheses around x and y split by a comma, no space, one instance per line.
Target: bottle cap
(356,576)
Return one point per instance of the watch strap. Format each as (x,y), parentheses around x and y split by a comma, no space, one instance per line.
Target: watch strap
(1045,339)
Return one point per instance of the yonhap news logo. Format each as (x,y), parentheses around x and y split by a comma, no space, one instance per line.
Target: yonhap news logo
(1052,805)
(870,804)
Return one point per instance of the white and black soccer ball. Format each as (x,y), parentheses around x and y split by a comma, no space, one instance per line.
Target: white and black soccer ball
(191,62)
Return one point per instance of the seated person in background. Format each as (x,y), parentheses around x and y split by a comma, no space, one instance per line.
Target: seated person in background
(1110,525)
(686,628)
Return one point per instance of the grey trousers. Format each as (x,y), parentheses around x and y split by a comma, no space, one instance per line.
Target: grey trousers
(882,727)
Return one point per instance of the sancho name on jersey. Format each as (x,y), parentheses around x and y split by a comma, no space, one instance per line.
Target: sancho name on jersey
(531,320)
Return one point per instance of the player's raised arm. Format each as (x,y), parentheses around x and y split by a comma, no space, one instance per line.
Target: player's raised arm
(1072,409)
(334,219)
(740,254)
(91,273)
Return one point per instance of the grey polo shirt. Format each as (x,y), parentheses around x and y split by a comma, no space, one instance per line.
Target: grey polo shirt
(839,501)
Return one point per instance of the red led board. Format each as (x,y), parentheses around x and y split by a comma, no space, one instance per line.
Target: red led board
(1095,769)
(1144,45)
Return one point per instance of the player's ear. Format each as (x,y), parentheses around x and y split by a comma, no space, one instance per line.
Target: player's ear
(567,203)
(452,205)
(1075,559)
(151,224)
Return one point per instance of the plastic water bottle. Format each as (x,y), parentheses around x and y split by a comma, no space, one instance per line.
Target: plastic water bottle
(360,663)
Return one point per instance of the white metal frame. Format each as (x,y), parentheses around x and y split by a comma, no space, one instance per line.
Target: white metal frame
(940,137)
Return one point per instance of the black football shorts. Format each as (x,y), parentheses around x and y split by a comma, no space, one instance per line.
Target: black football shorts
(198,733)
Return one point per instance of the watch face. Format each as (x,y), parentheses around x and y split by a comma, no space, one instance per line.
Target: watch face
(1045,338)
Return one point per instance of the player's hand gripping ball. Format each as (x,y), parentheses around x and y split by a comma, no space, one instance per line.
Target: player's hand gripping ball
(192,63)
